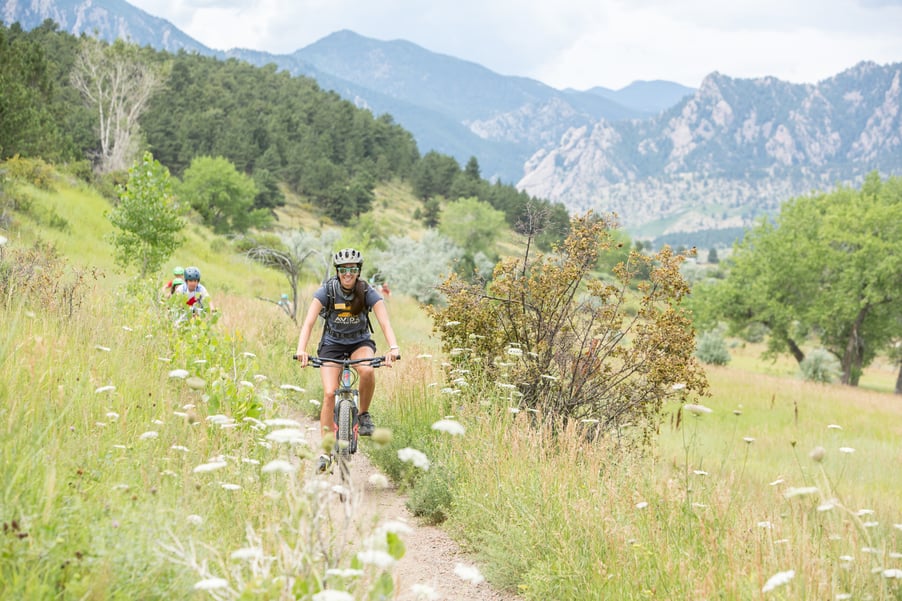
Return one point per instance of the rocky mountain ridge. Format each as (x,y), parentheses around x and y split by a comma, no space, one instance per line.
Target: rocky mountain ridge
(733,151)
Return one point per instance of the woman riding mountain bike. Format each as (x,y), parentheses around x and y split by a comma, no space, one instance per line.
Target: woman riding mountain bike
(344,302)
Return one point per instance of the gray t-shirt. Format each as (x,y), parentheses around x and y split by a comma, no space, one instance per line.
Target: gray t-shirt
(342,326)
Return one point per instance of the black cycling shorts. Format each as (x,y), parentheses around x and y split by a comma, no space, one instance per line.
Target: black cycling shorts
(342,351)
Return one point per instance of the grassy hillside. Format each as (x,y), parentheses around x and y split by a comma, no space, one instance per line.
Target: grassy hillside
(124,479)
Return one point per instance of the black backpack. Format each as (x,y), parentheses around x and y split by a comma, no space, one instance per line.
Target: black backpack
(332,291)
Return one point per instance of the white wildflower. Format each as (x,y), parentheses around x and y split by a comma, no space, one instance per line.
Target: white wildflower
(178,373)
(695,409)
(424,356)
(279,465)
(641,504)
(864,512)
(378,481)
(892,573)
(105,389)
(834,427)
(246,384)
(451,324)
(247,553)
(469,573)
(748,440)
(515,352)
(315,402)
(766,525)
(292,387)
(148,435)
(112,415)
(105,349)
(678,386)
(414,456)
(777,482)
(423,592)
(287,435)
(210,584)
(380,559)
(700,472)
(250,461)
(793,491)
(344,573)
(778,579)
(195,519)
(229,486)
(179,447)
(449,426)
(209,467)
(847,450)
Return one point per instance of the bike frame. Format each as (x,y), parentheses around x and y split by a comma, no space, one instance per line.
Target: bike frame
(346,406)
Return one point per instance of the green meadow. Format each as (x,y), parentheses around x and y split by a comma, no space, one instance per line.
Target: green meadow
(145,460)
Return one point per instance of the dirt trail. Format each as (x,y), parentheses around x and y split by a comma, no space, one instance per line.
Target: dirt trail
(431,554)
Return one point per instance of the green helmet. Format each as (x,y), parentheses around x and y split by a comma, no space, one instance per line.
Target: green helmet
(178,282)
(178,270)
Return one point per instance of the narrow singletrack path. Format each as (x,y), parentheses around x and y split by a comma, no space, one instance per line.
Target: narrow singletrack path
(431,554)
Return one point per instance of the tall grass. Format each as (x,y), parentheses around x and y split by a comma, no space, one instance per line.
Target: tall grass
(135,463)
(780,477)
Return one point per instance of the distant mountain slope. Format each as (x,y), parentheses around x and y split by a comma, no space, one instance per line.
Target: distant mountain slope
(735,149)
(472,111)
(648,96)
(110,19)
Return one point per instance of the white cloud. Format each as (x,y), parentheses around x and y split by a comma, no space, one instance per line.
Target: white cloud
(575,43)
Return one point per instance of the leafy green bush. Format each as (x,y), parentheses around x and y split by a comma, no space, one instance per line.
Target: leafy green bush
(569,344)
(33,171)
(820,365)
(431,496)
(712,348)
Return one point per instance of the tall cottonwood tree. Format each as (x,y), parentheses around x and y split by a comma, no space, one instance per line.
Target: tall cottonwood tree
(117,83)
(828,266)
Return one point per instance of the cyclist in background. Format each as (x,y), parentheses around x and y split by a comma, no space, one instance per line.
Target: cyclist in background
(177,278)
(198,297)
(344,302)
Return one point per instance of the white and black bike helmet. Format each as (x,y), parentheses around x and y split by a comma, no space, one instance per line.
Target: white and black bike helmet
(347,255)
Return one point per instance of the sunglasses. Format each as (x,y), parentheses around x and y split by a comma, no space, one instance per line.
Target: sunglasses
(347,270)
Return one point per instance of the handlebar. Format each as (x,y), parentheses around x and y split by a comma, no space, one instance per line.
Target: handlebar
(372,361)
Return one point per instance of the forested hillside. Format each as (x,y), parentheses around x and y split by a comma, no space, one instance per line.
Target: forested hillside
(285,133)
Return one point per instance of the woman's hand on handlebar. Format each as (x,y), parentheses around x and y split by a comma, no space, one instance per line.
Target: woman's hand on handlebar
(391,356)
(303,357)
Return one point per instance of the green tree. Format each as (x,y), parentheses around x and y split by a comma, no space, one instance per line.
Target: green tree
(223,196)
(147,219)
(26,124)
(434,174)
(828,265)
(472,224)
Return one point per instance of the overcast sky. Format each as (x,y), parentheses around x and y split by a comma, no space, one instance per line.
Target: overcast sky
(575,43)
